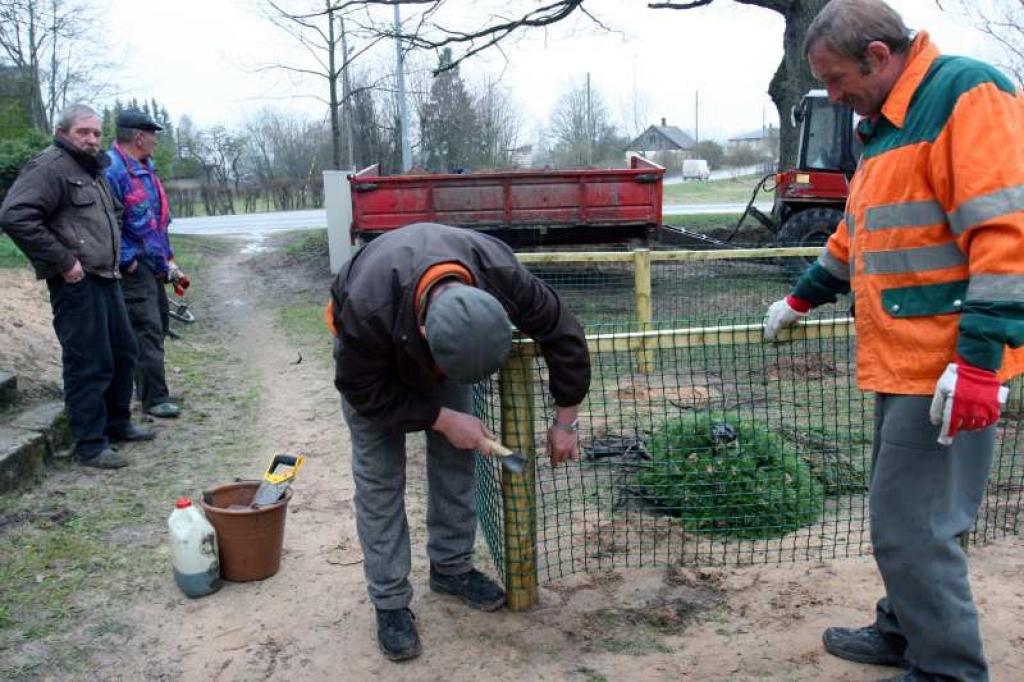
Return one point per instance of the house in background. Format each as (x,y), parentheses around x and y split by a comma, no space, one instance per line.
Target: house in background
(666,145)
(761,144)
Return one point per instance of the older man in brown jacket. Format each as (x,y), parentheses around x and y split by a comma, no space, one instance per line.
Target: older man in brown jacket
(61,214)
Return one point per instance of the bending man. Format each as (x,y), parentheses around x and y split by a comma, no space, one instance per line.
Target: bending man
(420,314)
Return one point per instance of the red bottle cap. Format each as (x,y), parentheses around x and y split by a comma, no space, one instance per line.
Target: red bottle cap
(183,503)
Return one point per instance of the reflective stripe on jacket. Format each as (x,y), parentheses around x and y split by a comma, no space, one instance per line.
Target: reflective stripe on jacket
(932,244)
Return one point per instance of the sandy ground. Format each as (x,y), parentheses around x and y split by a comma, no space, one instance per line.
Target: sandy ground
(313,621)
(28,344)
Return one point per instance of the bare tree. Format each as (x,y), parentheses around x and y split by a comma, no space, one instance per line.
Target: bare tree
(1003,22)
(53,41)
(325,39)
(583,134)
(791,81)
(498,125)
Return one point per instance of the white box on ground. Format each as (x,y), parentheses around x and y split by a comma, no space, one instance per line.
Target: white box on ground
(338,202)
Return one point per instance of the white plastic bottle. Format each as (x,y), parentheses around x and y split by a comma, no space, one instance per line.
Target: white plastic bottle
(193,550)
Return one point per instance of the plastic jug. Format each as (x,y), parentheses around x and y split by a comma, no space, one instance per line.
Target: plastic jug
(193,550)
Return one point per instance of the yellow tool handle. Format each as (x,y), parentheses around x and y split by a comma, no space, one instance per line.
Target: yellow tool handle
(497,448)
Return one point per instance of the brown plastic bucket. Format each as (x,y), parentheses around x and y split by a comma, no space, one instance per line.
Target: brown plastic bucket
(249,539)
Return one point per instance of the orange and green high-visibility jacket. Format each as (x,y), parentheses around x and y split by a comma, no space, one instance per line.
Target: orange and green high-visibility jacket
(932,243)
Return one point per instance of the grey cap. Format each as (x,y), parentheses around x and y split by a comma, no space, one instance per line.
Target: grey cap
(469,333)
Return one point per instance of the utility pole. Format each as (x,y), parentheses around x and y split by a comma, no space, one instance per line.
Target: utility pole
(403,112)
(696,117)
(346,99)
(590,127)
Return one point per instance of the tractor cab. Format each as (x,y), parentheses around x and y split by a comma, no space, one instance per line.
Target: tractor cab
(810,198)
(828,141)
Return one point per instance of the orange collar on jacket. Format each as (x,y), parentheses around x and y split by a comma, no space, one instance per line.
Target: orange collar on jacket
(919,60)
(435,274)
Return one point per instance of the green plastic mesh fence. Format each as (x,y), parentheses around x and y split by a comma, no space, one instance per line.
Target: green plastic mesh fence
(703,446)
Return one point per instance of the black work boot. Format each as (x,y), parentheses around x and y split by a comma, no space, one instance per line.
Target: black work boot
(396,634)
(865,645)
(473,587)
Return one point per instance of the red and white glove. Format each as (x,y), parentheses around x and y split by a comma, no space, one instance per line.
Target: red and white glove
(784,313)
(967,398)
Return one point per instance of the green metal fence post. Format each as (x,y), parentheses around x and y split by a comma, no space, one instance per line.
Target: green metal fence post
(519,495)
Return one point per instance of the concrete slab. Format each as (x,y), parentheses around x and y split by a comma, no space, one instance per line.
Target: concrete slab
(22,457)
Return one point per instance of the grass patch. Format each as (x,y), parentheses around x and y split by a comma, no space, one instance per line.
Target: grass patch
(10,255)
(722,475)
(730,190)
(308,245)
(304,325)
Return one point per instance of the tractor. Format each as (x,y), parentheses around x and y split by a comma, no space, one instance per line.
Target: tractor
(809,199)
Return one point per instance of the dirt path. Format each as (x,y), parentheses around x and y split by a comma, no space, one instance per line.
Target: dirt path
(312,621)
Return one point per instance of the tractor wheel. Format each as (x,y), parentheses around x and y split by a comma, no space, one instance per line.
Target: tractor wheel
(810,227)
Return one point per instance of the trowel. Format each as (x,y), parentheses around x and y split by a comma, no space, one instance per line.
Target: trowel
(512,461)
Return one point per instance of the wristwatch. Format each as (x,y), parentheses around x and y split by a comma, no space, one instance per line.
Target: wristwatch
(570,427)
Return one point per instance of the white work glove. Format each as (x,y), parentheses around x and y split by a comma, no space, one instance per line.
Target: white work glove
(967,398)
(782,314)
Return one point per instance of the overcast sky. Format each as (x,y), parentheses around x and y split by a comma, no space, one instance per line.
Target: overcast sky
(198,58)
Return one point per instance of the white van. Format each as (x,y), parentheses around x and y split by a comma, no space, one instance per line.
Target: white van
(696,169)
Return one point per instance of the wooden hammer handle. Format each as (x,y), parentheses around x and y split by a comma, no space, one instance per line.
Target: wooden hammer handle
(497,448)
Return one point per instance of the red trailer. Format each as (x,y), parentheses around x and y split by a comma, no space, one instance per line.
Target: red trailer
(524,208)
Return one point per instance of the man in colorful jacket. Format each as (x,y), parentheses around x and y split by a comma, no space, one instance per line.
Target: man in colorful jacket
(147,260)
(932,247)
(420,314)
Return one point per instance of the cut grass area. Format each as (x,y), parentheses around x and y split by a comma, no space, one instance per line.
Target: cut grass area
(10,255)
(730,190)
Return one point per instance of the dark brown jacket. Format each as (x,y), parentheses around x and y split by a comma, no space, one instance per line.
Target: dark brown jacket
(384,368)
(60,209)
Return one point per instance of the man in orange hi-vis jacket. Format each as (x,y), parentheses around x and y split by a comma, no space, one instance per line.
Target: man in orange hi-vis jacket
(932,247)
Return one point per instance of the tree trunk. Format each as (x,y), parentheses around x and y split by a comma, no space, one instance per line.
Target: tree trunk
(793,78)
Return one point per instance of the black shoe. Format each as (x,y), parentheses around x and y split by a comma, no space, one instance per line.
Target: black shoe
(130,433)
(473,587)
(865,645)
(396,634)
(108,459)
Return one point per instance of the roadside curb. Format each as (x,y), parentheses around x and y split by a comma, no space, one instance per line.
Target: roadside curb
(29,441)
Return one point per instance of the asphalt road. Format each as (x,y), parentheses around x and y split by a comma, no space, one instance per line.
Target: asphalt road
(261,224)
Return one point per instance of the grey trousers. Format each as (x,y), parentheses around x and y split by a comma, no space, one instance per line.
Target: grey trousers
(378,466)
(923,495)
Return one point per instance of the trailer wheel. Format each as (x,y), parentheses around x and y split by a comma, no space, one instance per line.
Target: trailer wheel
(810,227)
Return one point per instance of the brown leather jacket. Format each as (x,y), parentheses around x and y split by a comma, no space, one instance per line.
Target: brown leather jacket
(60,209)
(384,368)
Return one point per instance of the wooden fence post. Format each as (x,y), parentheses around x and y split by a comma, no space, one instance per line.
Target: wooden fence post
(644,305)
(519,494)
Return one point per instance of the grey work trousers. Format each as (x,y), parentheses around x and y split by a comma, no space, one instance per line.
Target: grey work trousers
(923,495)
(378,466)
(146,299)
